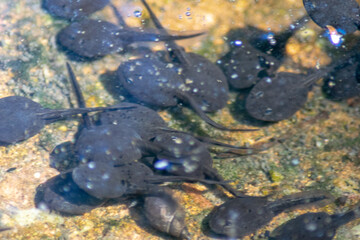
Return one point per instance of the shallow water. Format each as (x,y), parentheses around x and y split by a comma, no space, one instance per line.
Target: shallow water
(319,147)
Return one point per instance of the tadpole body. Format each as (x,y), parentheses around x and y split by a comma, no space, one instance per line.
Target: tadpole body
(273,43)
(313,226)
(277,98)
(206,82)
(343,82)
(157,83)
(188,157)
(145,121)
(73,9)
(245,65)
(239,217)
(62,195)
(105,180)
(342,16)
(22,118)
(91,39)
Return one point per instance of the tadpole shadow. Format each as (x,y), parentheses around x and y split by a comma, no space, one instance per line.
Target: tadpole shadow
(239,113)
(206,230)
(113,86)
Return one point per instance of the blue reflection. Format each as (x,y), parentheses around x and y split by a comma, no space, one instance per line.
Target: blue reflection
(335,35)
(161,164)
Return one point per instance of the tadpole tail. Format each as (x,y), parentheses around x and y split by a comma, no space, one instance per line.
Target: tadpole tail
(301,200)
(79,96)
(118,16)
(160,179)
(322,72)
(176,51)
(147,36)
(194,105)
(56,114)
(212,174)
(341,219)
(209,141)
(255,148)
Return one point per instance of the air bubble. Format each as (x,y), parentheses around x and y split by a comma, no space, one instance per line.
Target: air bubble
(137,13)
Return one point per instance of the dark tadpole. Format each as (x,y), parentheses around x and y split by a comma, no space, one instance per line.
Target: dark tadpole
(344,81)
(91,39)
(279,97)
(145,121)
(22,118)
(341,16)
(239,217)
(271,43)
(105,141)
(158,83)
(103,179)
(189,157)
(73,9)
(313,226)
(204,80)
(245,65)
(61,194)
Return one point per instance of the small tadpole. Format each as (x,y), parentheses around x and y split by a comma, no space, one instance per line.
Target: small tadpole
(11,170)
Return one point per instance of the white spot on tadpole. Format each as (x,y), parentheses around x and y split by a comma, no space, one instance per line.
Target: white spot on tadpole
(91,165)
(106,176)
(311,227)
(89,185)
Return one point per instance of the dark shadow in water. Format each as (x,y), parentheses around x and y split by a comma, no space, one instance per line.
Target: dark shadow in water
(239,113)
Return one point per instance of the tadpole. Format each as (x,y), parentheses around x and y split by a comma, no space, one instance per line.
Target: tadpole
(62,195)
(91,39)
(22,118)
(344,81)
(314,226)
(103,179)
(73,9)
(189,157)
(239,217)
(336,16)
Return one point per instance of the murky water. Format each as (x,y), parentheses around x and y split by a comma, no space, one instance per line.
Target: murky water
(317,148)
